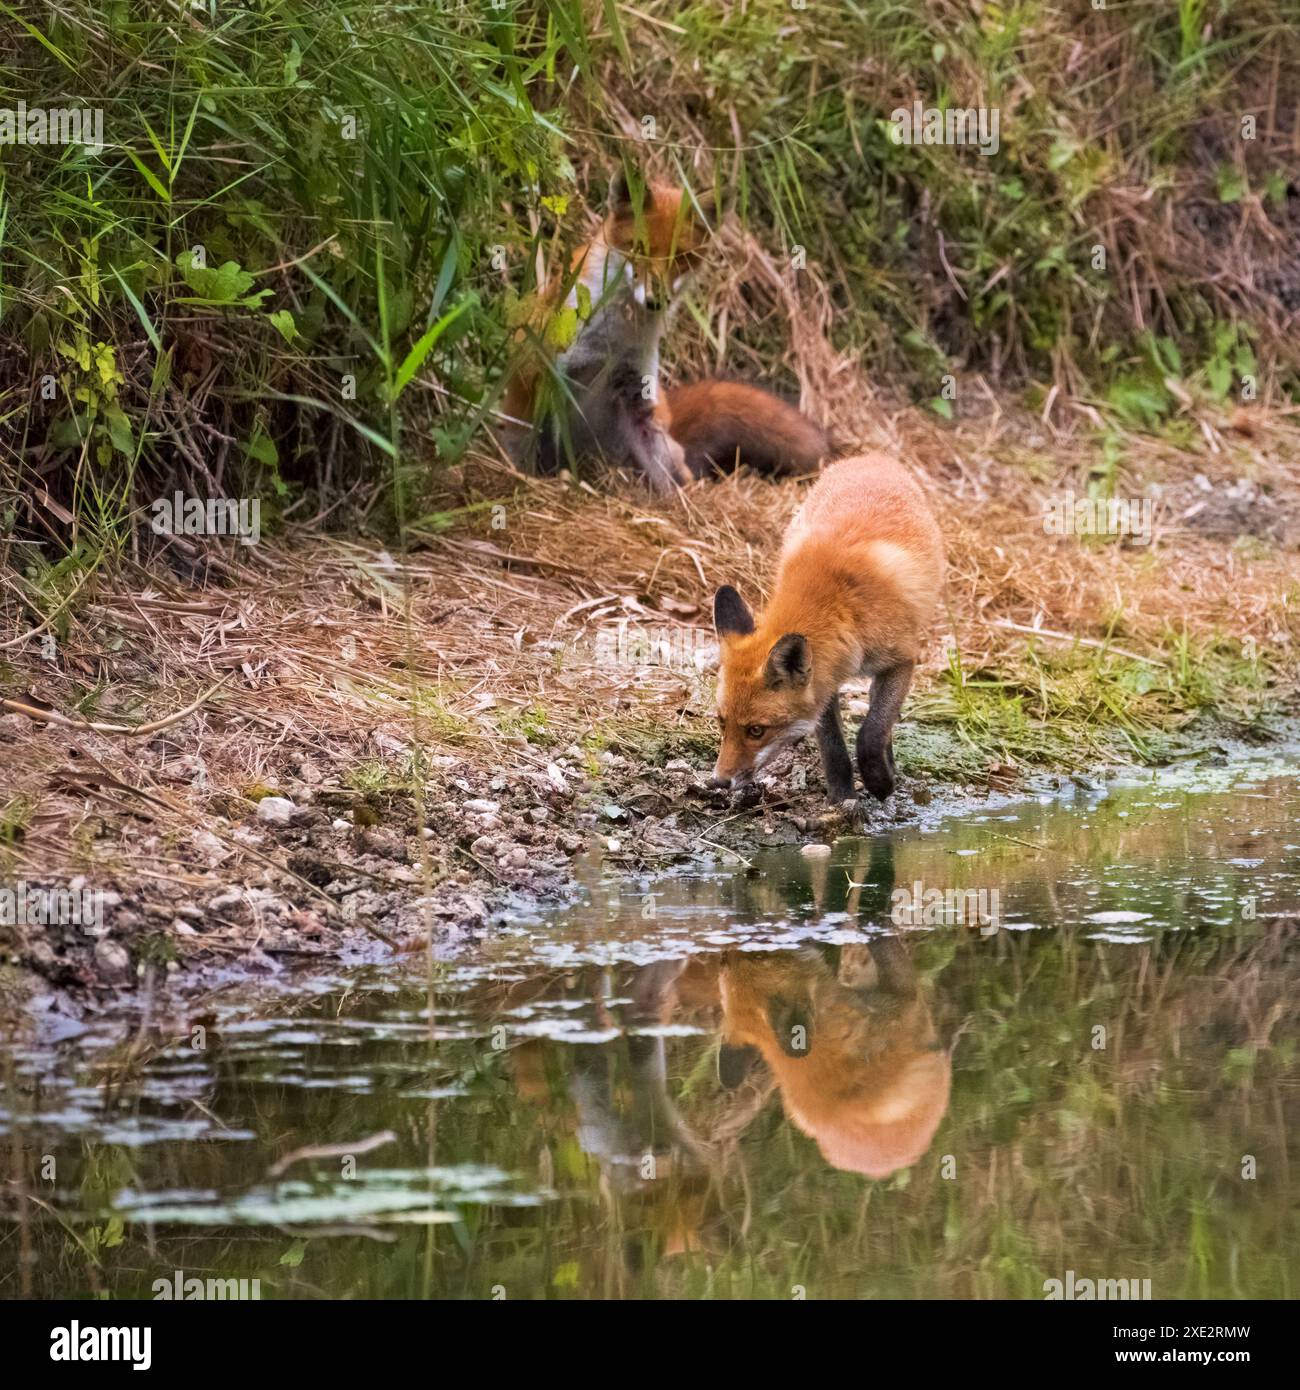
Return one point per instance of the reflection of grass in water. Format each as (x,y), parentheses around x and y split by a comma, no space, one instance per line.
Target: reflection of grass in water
(1117,1162)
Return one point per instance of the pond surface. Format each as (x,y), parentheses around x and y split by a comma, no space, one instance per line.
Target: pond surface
(758,1081)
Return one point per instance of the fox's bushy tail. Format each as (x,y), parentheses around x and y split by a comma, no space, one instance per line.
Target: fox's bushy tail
(722,424)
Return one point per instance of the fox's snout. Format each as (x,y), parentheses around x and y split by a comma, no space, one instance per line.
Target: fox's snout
(652,293)
(733,768)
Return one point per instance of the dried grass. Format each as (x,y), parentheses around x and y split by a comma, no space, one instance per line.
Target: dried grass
(480,646)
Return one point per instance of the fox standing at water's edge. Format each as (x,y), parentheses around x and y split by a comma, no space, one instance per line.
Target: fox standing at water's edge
(857,583)
(607,399)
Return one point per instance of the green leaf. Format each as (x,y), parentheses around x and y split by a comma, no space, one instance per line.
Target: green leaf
(1232,185)
(142,313)
(562,329)
(1139,400)
(292,63)
(262,448)
(282,319)
(414,359)
(293,1255)
(228,284)
(119,430)
(150,177)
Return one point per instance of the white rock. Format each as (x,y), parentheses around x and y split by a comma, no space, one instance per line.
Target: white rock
(815,851)
(275,810)
(112,959)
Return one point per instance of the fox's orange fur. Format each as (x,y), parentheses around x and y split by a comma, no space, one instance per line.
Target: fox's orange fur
(629,273)
(857,583)
(854,1051)
(722,423)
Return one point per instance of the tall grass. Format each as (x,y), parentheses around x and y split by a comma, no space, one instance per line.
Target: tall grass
(304,247)
(290,226)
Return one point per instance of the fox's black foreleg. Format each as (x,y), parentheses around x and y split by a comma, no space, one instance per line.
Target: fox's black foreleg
(875,737)
(835,753)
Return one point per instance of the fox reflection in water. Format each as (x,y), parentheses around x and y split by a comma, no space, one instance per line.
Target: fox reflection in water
(844,1033)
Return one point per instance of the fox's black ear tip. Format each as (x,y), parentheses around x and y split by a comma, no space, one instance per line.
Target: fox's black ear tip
(620,190)
(735,1063)
(731,614)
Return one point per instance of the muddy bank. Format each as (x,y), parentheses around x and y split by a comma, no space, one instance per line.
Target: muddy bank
(310,871)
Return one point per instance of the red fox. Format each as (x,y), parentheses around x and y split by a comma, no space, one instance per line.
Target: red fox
(852,1046)
(859,576)
(611,404)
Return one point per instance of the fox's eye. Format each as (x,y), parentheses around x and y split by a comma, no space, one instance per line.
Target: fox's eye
(755,731)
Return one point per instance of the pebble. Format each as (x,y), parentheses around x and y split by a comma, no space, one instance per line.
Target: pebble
(815,851)
(112,959)
(481,807)
(275,810)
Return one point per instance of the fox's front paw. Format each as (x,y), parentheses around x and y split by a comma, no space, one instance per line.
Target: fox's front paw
(877,772)
(840,789)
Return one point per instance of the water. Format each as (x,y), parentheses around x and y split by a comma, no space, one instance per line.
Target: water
(732,1084)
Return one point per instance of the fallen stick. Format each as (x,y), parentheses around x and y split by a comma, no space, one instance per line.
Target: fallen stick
(359,1146)
(1071,637)
(49,716)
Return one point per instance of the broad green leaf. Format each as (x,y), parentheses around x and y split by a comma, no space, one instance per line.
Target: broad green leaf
(415,358)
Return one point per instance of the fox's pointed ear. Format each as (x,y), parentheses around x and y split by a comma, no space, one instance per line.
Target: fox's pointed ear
(731,616)
(789,662)
(735,1062)
(622,202)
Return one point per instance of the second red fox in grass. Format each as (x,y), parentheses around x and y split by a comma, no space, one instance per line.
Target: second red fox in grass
(610,404)
(860,573)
